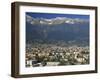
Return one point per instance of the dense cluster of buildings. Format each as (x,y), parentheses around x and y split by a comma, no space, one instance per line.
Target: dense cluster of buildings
(52,55)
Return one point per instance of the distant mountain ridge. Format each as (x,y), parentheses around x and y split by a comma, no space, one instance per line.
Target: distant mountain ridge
(53,21)
(57,29)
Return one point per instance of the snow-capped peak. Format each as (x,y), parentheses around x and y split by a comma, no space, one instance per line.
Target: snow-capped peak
(53,21)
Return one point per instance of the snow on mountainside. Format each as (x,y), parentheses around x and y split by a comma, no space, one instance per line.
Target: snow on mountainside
(54,21)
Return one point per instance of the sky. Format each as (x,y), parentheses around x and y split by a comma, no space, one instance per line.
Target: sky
(53,15)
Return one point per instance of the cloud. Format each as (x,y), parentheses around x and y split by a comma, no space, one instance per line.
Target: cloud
(55,21)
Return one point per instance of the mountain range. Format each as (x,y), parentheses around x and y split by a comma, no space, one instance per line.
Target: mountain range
(57,29)
(54,21)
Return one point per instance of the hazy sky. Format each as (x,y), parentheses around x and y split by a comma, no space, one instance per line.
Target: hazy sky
(52,15)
